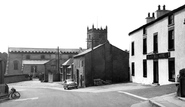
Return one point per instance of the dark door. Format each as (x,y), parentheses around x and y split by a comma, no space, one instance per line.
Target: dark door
(155,72)
(77,76)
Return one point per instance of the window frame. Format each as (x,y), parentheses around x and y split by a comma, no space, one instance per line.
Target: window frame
(42,57)
(16,64)
(27,56)
(171,39)
(155,43)
(144,45)
(171,20)
(133,68)
(145,68)
(171,73)
(144,31)
(132,49)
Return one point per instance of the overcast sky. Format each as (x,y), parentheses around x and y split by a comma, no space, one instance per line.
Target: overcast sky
(63,23)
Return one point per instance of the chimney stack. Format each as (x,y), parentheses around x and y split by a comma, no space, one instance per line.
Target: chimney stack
(160,12)
(150,19)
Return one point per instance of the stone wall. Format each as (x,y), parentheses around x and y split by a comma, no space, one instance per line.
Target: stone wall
(15,78)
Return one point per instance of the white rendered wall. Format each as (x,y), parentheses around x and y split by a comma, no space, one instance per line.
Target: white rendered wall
(179,41)
(160,27)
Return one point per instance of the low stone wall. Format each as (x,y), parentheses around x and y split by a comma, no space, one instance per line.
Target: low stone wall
(3,90)
(15,78)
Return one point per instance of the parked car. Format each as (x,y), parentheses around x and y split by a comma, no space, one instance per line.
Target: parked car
(69,83)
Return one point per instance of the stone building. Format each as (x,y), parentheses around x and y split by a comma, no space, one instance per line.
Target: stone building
(31,60)
(157,47)
(101,60)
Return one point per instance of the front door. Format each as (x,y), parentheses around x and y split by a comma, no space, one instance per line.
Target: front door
(34,70)
(155,72)
(77,74)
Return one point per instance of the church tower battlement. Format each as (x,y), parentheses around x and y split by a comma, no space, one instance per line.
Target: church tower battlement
(96,36)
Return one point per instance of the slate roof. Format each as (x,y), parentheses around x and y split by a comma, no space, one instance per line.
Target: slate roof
(88,50)
(41,50)
(68,62)
(158,19)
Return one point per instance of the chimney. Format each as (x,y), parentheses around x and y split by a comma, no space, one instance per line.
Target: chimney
(150,19)
(164,7)
(160,12)
(159,7)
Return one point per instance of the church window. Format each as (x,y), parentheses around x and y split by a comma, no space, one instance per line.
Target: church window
(27,56)
(42,56)
(15,63)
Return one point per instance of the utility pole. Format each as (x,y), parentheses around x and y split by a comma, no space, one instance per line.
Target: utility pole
(92,68)
(58,54)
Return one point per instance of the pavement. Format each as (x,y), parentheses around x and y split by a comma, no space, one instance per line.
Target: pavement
(166,97)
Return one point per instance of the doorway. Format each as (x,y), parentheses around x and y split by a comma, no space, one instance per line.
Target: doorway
(34,71)
(155,72)
(77,76)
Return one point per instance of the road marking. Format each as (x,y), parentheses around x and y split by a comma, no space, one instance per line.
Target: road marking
(143,98)
(34,98)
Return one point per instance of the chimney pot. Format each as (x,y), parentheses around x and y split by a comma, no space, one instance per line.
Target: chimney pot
(163,7)
(153,15)
(159,7)
(149,14)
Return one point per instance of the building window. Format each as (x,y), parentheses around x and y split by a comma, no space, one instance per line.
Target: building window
(171,68)
(144,68)
(133,69)
(144,31)
(70,56)
(27,56)
(144,46)
(132,46)
(82,63)
(155,43)
(171,19)
(171,40)
(16,65)
(42,56)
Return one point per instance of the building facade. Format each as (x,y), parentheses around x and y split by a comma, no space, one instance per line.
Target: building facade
(32,60)
(157,48)
(101,60)
(105,62)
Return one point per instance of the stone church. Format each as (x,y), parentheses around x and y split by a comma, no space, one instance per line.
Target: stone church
(32,60)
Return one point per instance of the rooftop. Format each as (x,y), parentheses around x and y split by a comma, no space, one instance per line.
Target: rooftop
(41,50)
(158,19)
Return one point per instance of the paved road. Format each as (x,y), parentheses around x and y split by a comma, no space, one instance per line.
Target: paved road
(36,94)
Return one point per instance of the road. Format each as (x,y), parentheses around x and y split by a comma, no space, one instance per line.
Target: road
(36,94)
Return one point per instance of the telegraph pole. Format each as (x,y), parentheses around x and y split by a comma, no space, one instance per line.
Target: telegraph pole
(58,54)
(92,69)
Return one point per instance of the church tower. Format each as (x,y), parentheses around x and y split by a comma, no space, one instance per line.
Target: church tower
(96,36)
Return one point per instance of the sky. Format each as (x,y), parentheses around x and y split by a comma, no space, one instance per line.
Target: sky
(63,23)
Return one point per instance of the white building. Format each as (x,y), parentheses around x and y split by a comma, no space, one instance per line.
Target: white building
(157,50)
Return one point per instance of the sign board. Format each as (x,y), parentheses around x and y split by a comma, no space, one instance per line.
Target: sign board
(158,55)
